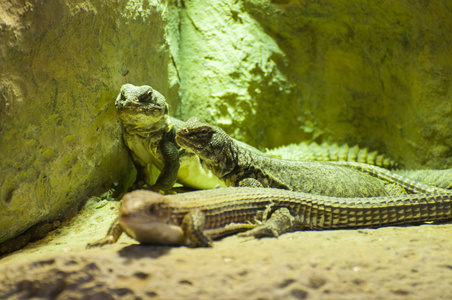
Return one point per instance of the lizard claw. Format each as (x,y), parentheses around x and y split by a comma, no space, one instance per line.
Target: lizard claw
(279,222)
(161,190)
(262,230)
(102,242)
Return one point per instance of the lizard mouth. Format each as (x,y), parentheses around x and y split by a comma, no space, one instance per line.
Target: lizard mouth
(138,108)
(186,143)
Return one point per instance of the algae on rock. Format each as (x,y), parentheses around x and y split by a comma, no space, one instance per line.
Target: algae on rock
(370,73)
(62,63)
(232,74)
(337,71)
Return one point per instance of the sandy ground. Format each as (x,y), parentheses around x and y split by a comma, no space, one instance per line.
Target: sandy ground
(386,263)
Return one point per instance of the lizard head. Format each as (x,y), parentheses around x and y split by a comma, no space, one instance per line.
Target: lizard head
(140,107)
(207,141)
(146,217)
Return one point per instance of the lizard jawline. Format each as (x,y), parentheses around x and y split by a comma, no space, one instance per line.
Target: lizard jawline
(155,233)
(186,143)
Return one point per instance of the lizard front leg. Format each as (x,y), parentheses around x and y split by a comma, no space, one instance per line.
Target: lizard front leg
(143,176)
(193,227)
(171,164)
(112,236)
(250,182)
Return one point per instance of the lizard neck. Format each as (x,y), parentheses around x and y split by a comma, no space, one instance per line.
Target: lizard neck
(162,126)
(227,161)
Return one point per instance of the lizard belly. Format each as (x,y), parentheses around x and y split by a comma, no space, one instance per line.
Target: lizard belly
(142,150)
(195,175)
(191,173)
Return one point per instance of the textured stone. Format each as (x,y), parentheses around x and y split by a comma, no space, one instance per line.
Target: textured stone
(337,71)
(371,74)
(383,263)
(230,75)
(61,66)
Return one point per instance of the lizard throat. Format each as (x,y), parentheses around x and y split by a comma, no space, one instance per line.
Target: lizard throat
(155,233)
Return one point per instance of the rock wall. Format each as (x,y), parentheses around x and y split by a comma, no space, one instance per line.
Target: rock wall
(372,74)
(61,66)
(232,74)
(269,72)
(360,72)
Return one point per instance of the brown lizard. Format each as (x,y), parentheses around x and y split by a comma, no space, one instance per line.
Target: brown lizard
(195,218)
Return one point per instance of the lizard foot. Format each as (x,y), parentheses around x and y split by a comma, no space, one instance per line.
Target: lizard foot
(105,241)
(161,189)
(279,222)
(112,237)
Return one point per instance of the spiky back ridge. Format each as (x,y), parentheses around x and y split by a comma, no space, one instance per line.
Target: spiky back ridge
(332,152)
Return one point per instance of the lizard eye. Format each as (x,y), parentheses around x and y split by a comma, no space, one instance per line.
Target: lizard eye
(204,133)
(146,97)
(152,209)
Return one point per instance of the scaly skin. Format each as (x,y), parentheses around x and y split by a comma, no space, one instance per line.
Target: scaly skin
(334,152)
(440,178)
(195,218)
(238,167)
(406,183)
(331,152)
(149,133)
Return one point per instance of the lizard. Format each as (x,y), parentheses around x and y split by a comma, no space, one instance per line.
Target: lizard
(195,218)
(334,152)
(149,133)
(238,167)
(440,178)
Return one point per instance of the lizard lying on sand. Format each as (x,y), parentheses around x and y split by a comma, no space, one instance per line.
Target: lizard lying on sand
(238,167)
(334,152)
(195,218)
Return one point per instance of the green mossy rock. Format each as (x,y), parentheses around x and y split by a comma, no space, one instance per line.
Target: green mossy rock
(61,66)
(357,72)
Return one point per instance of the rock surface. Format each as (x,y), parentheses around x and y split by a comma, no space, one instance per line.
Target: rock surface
(387,263)
(61,66)
(340,71)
